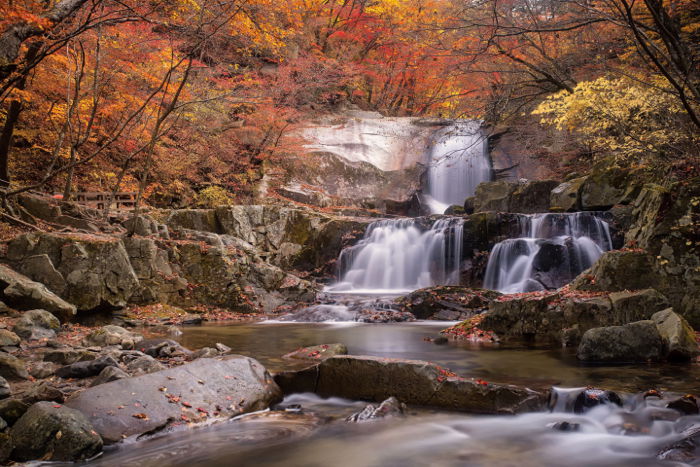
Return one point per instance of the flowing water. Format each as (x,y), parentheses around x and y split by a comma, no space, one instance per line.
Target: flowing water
(401,255)
(459,161)
(552,250)
(305,430)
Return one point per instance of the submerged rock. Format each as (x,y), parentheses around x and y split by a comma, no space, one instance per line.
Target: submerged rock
(592,397)
(193,392)
(318,352)
(387,409)
(53,432)
(411,381)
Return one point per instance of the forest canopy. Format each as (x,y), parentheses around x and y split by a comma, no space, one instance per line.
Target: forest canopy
(186,99)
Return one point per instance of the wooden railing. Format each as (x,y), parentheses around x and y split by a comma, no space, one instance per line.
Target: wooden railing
(98,199)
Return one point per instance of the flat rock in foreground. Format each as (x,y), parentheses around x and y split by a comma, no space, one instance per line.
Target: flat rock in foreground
(410,381)
(208,387)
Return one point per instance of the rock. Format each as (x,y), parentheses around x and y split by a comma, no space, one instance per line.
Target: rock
(112,335)
(634,342)
(220,387)
(446,303)
(591,397)
(8,338)
(618,270)
(94,269)
(677,335)
(66,356)
(469,205)
(41,392)
(387,409)
(687,405)
(37,324)
(23,293)
(684,451)
(5,390)
(86,369)
(318,352)
(454,210)
(205,352)
(35,435)
(565,196)
(415,382)
(636,306)
(163,348)
(606,187)
(143,365)
(223,349)
(521,197)
(12,409)
(110,373)
(41,370)
(12,368)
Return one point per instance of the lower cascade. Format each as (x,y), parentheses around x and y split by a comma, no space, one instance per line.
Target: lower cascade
(401,255)
(552,250)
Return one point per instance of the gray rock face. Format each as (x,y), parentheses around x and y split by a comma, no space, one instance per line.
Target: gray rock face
(112,335)
(389,408)
(12,367)
(86,369)
(91,271)
(37,324)
(521,197)
(8,338)
(54,432)
(566,196)
(143,365)
(220,387)
(619,270)
(411,381)
(677,334)
(109,374)
(634,342)
(23,293)
(605,187)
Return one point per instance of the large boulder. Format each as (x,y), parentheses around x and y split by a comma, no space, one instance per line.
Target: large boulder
(12,367)
(446,303)
(608,186)
(522,197)
(619,270)
(87,368)
(677,334)
(193,392)
(23,293)
(50,431)
(89,271)
(565,196)
(411,381)
(634,342)
(37,324)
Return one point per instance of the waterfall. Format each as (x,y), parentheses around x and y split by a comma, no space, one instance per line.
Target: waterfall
(459,161)
(401,255)
(552,250)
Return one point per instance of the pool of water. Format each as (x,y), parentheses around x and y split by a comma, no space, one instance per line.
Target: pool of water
(504,363)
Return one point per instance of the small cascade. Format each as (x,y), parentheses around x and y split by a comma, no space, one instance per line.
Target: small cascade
(551,251)
(459,161)
(396,256)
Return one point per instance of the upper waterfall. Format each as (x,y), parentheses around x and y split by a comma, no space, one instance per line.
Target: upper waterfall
(459,161)
(401,255)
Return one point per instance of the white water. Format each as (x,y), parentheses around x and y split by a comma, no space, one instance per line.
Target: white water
(574,241)
(459,161)
(398,256)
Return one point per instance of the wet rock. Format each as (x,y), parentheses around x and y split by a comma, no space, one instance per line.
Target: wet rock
(143,365)
(687,405)
(592,397)
(12,368)
(454,210)
(36,434)
(205,352)
(12,409)
(629,306)
(686,450)
(507,196)
(412,381)
(373,315)
(677,334)
(387,409)
(469,205)
(448,303)
(566,426)
(8,338)
(163,348)
(608,186)
(41,370)
(37,324)
(220,387)
(634,342)
(318,352)
(112,335)
(23,293)
(5,390)
(110,373)
(86,369)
